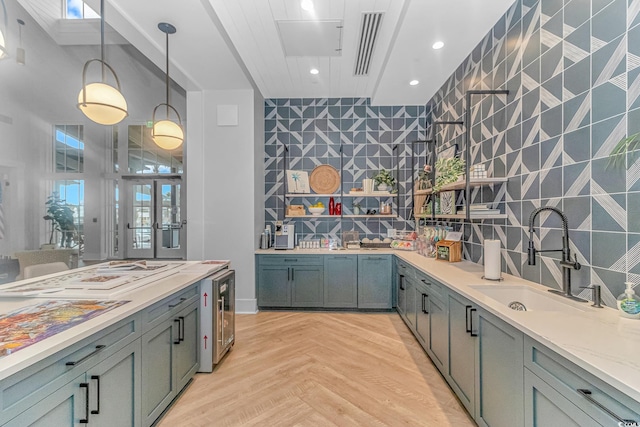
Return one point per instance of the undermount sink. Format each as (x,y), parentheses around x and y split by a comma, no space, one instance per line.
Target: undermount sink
(519,297)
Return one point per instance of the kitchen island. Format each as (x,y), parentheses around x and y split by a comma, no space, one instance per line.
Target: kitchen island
(503,363)
(122,366)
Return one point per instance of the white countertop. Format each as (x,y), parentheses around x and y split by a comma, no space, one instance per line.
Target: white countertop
(162,285)
(596,339)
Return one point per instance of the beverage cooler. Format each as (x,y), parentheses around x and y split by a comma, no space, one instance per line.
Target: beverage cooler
(217,318)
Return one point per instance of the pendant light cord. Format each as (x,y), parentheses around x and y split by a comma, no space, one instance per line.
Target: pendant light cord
(102,39)
(167,74)
(4,12)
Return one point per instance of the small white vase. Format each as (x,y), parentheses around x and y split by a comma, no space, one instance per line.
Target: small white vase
(383,187)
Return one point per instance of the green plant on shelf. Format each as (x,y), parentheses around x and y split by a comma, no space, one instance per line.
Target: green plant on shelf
(448,170)
(384,177)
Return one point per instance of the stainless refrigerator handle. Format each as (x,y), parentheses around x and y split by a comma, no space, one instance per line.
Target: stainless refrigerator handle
(222,321)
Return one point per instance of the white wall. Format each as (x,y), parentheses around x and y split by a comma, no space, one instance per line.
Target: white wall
(224,194)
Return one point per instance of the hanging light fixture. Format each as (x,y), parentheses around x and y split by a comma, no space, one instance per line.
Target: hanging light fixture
(3,43)
(101,102)
(20,53)
(166,133)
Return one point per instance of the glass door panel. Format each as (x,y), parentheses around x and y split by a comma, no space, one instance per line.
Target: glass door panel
(140,220)
(169,228)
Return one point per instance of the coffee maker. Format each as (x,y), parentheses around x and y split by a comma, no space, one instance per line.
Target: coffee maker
(284,236)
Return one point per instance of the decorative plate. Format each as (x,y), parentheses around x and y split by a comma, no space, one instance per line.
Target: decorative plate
(324,179)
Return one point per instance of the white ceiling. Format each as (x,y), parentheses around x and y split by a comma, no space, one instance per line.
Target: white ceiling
(235,44)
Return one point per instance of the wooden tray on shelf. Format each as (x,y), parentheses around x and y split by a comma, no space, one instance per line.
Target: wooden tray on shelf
(324,179)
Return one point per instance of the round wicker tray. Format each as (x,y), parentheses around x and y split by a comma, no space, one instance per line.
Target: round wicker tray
(324,179)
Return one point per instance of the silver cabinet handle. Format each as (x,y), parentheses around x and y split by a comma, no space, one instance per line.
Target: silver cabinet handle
(175,305)
(587,395)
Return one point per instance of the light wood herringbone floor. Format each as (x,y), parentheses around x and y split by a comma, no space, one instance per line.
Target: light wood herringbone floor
(320,369)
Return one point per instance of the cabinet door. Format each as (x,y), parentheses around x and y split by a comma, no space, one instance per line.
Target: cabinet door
(115,389)
(186,348)
(500,365)
(341,281)
(438,348)
(307,286)
(158,379)
(461,351)
(402,294)
(375,289)
(545,407)
(410,303)
(274,287)
(65,407)
(422,316)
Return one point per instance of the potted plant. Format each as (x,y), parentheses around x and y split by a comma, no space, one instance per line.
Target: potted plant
(447,171)
(61,217)
(424,178)
(384,181)
(356,208)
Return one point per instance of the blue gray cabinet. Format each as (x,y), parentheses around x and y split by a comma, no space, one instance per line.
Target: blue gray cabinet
(375,289)
(438,348)
(108,394)
(307,286)
(499,372)
(290,280)
(422,314)
(274,287)
(403,272)
(170,355)
(574,391)
(65,407)
(341,281)
(461,371)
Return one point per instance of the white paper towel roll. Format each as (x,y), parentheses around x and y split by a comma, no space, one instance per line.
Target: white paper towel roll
(492,259)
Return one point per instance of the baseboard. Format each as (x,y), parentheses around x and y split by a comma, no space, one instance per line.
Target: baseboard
(246,306)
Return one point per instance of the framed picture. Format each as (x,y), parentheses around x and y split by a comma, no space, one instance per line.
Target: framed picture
(298,182)
(448,202)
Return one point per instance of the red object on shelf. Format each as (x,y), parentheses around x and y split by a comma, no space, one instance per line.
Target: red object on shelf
(332,208)
(338,209)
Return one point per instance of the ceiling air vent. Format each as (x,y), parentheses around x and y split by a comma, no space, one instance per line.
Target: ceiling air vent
(369,28)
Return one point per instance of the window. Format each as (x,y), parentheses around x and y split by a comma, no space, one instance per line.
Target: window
(146,157)
(77,9)
(71,192)
(69,148)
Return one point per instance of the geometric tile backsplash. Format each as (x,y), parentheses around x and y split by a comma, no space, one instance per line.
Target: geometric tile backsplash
(573,71)
(315,131)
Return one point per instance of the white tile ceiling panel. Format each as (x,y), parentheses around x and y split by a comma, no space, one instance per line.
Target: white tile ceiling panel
(310,38)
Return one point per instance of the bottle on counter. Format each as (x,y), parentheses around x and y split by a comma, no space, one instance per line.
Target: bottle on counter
(629,303)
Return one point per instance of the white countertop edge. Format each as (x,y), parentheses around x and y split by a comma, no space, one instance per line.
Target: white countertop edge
(139,299)
(600,341)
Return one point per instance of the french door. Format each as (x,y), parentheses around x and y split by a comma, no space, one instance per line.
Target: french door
(155,225)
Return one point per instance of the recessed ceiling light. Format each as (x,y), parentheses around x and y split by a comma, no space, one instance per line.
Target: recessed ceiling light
(414,82)
(307,5)
(314,71)
(438,45)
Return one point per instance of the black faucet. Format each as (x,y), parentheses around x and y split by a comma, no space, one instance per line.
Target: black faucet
(567,264)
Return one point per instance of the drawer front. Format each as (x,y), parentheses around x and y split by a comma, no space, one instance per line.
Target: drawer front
(433,286)
(291,259)
(20,391)
(169,306)
(405,269)
(596,398)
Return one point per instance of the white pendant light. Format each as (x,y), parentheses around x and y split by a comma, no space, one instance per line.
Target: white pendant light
(166,133)
(101,102)
(4,53)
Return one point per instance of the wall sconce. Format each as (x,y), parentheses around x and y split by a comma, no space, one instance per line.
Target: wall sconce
(101,102)
(166,133)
